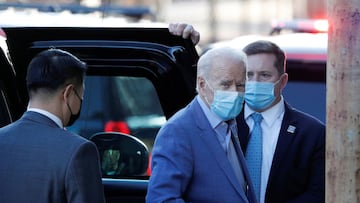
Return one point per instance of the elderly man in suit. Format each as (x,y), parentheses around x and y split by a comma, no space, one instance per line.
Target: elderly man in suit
(288,164)
(40,160)
(196,156)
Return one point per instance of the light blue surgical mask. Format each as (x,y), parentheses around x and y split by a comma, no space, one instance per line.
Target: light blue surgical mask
(227,104)
(259,95)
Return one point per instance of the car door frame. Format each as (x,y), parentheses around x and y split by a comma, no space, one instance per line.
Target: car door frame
(168,61)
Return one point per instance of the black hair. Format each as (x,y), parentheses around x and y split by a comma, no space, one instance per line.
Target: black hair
(54,68)
(264,46)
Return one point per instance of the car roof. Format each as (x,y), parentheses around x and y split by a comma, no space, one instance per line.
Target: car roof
(300,25)
(134,12)
(33,18)
(74,15)
(297,46)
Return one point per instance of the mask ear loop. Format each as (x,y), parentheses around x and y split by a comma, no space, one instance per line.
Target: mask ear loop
(212,89)
(275,83)
(284,77)
(208,84)
(67,92)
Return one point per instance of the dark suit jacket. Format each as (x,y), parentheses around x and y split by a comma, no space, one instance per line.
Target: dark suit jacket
(40,162)
(297,173)
(189,164)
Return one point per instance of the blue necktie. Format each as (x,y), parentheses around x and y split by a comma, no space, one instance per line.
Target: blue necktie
(254,154)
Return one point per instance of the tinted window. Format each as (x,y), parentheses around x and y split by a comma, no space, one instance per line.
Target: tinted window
(309,97)
(122,104)
(306,88)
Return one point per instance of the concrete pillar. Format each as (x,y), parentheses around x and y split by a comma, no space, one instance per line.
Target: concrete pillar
(343,103)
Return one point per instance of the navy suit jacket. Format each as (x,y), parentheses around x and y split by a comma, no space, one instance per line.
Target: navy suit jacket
(297,173)
(189,164)
(40,162)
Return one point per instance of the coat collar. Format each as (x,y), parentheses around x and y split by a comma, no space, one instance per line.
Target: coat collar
(207,134)
(39,118)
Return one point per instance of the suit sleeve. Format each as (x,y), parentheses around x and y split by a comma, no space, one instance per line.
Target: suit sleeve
(171,166)
(83,178)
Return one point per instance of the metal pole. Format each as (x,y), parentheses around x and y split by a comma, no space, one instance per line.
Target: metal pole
(343,103)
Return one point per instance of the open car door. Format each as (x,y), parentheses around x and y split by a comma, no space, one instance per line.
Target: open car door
(137,78)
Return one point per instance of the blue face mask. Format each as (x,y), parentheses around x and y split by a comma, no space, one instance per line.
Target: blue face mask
(226,104)
(259,95)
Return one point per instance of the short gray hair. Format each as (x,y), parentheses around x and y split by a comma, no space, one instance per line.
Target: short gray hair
(206,60)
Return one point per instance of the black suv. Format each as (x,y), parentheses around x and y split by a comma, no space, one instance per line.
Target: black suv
(137,78)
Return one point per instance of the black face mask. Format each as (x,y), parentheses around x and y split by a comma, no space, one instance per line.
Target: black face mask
(74,117)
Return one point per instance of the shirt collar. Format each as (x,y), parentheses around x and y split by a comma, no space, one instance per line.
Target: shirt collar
(269,115)
(214,120)
(48,114)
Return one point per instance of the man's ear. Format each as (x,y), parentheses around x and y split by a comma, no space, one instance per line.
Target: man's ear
(284,80)
(67,91)
(201,82)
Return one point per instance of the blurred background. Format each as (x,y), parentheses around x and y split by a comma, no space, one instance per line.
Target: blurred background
(215,19)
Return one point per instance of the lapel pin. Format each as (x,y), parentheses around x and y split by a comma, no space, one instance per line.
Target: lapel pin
(291,129)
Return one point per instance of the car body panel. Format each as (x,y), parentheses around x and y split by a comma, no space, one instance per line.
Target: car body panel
(9,97)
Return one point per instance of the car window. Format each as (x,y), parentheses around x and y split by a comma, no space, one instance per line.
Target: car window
(306,87)
(120,104)
(309,97)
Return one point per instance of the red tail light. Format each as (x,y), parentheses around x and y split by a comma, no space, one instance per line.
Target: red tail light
(148,171)
(117,126)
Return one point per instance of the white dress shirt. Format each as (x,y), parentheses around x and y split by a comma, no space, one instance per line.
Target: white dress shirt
(270,125)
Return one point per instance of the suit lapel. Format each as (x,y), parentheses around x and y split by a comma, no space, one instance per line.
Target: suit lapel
(208,135)
(251,192)
(243,136)
(286,136)
(243,131)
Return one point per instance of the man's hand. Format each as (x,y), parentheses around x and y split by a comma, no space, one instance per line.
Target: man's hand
(184,30)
